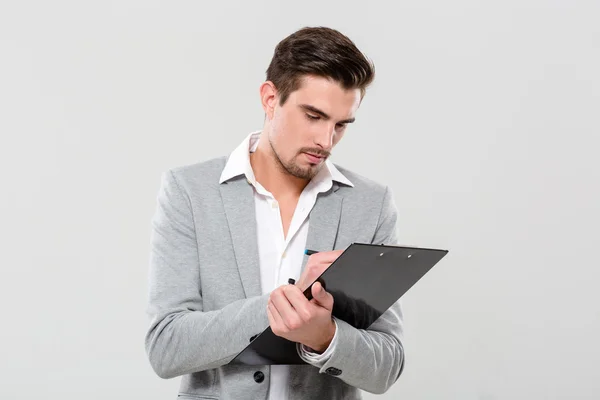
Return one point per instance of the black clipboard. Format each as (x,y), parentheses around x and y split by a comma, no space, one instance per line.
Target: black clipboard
(365,281)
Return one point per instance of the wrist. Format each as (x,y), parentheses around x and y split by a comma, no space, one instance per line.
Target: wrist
(328,337)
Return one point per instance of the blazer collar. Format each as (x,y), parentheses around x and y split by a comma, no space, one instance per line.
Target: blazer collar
(238,201)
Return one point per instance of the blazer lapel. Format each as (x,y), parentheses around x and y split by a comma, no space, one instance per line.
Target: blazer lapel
(324,221)
(238,201)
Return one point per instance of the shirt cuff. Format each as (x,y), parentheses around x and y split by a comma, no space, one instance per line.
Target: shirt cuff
(308,355)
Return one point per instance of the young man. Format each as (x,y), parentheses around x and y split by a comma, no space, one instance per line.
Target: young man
(228,233)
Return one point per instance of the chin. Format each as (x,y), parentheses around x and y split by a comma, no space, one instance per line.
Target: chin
(303,172)
(312,171)
(303,169)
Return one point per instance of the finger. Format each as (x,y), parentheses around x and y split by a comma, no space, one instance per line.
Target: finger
(311,272)
(323,297)
(299,302)
(326,256)
(316,265)
(270,316)
(319,265)
(281,303)
(275,320)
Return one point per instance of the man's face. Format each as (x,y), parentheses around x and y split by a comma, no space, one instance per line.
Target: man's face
(310,123)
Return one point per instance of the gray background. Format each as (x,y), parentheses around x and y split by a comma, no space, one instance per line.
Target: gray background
(483,119)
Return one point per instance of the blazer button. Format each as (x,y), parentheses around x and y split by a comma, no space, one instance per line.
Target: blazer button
(253,337)
(333,371)
(259,377)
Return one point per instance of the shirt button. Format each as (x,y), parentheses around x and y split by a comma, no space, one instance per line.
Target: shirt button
(274,204)
(283,255)
(259,377)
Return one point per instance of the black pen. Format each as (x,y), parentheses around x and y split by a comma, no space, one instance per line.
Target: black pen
(310,252)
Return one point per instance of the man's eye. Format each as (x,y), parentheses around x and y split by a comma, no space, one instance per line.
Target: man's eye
(312,117)
(341,126)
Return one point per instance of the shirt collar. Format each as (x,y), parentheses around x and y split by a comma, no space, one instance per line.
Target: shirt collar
(239,164)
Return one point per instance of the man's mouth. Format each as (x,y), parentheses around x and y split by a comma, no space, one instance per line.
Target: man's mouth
(313,158)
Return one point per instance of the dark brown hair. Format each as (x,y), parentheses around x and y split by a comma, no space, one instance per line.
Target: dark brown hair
(318,51)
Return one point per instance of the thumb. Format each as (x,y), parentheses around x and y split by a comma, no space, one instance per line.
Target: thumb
(321,296)
(317,290)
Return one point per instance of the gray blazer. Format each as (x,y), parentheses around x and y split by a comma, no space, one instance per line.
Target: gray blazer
(205,299)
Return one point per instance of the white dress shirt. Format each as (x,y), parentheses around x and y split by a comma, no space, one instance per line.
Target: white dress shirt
(281,257)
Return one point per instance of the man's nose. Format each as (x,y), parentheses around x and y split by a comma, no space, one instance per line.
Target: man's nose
(325,137)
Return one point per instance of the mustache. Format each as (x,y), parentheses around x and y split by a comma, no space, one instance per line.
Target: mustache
(316,152)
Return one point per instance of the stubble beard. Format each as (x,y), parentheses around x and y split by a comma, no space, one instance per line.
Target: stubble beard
(294,169)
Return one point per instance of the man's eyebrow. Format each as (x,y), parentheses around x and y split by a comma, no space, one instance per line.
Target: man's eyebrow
(308,107)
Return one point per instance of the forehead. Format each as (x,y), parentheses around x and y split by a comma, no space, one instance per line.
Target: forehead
(327,95)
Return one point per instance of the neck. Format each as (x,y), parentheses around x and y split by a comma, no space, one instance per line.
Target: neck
(271,174)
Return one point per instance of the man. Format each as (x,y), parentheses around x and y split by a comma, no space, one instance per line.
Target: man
(229,233)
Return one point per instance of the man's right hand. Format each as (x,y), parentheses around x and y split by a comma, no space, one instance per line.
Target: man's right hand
(316,264)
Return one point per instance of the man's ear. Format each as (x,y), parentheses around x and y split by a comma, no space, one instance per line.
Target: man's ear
(268,98)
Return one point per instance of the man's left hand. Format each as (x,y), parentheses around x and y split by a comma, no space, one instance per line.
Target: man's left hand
(295,318)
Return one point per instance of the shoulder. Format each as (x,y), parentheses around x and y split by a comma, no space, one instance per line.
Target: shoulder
(202,175)
(363,187)
(369,210)
(209,170)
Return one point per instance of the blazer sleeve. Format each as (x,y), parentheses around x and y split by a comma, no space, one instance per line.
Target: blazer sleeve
(183,338)
(371,359)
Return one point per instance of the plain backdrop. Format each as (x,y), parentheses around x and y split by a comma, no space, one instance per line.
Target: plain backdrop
(483,118)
